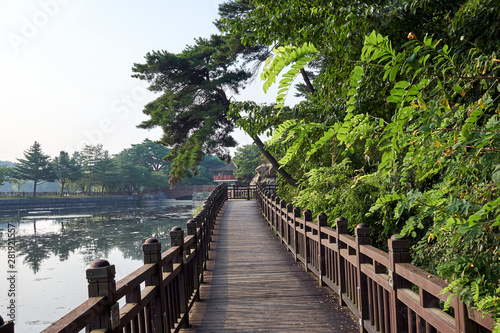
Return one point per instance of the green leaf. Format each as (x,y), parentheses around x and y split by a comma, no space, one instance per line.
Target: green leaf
(394,99)
(401,85)
(393,73)
(424,128)
(458,89)
(495,177)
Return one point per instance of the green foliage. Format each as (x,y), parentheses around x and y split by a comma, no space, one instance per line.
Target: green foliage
(247,158)
(202,174)
(193,105)
(67,169)
(331,190)
(282,58)
(151,155)
(438,169)
(34,166)
(4,174)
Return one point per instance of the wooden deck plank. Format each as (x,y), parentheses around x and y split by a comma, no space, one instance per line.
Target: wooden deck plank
(253,285)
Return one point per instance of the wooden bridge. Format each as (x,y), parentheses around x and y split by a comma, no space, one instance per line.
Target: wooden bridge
(231,273)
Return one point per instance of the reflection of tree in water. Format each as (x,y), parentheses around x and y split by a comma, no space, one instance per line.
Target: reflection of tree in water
(95,237)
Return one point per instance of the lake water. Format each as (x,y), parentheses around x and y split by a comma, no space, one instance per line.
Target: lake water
(53,252)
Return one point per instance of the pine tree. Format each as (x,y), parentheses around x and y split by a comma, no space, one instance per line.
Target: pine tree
(34,166)
(66,169)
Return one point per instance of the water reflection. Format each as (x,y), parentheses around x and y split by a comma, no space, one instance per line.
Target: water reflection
(94,236)
(53,253)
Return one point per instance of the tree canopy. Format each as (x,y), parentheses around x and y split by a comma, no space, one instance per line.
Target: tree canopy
(4,174)
(191,110)
(34,166)
(66,169)
(247,158)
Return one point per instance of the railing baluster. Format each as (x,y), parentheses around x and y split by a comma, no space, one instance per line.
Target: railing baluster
(362,238)
(177,239)
(151,250)
(322,222)
(399,252)
(341,228)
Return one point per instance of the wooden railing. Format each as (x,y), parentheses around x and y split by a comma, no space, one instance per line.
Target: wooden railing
(248,192)
(224,177)
(383,290)
(158,296)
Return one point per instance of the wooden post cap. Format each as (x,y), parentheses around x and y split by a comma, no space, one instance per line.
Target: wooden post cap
(100,269)
(151,240)
(341,220)
(308,215)
(289,208)
(398,243)
(399,250)
(296,211)
(151,245)
(362,229)
(199,219)
(322,219)
(176,236)
(362,232)
(176,229)
(341,225)
(99,263)
(191,227)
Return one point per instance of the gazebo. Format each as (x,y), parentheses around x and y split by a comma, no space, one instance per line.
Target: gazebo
(225,174)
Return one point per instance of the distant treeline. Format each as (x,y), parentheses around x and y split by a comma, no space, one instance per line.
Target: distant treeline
(144,166)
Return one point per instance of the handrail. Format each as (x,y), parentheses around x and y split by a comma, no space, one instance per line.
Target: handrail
(383,290)
(248,192)
(159,295)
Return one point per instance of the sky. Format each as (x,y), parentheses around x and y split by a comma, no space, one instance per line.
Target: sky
(65,69)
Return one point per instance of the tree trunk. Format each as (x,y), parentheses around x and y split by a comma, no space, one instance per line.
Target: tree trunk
(289,179)
(307,81)
(34,188)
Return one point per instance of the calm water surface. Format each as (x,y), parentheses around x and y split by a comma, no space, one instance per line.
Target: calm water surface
(53,252)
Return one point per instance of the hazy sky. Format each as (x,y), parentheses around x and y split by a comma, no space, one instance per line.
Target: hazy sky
(65,77)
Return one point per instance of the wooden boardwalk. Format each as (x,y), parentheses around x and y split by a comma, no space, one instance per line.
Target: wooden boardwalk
(253,285)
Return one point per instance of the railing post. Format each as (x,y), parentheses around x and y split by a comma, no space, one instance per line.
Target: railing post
(201,255)
(289,209)
(177,239)
(277,216)
(274,213)
(151,250)
(307,218)
(191,230)
(101,282)
(322,222)
(362,238)
(341,228)
(268,208)
(282,207)
(399,252)
(296,214)
(206,236)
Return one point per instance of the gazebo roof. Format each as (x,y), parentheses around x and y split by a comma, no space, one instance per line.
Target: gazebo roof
(227,167)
